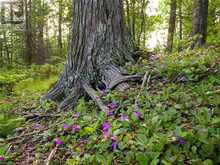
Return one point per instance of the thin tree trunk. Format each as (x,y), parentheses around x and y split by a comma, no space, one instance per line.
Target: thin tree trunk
(41,51)
(128,16)
(99,46)
(180,26)
(199,23)
(133,27)
(143,8)
(60,18)
(172,25)
(28,32)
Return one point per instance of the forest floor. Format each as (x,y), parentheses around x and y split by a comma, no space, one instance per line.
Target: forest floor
(176,121)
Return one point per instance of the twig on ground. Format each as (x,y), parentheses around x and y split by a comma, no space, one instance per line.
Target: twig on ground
(145,79)
(33,133)
(50,157)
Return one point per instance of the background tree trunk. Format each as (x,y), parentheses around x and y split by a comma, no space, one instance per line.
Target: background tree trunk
(142,30)
(28,32)
(172,25)
(41,51)
(133,24)
(199,24)
(180,26)
(128,16)
(100,44)
(60,18)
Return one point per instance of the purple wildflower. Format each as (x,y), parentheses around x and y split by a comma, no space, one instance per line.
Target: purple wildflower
(114,144)
(78,114)
(183,79)
(65,126)
(114,138)
(105,126)
(105,129)
(58,142)
(181,140)
(110,113)
(138,114)
(38,126)
(112,105)
(124,117)
(165,80)
(2,158)
(75,128)
(106,134)
(218,62)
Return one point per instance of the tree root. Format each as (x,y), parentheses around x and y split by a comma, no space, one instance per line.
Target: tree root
(78,87)
(122,79)
(32,116)
(67,103)
(92,93)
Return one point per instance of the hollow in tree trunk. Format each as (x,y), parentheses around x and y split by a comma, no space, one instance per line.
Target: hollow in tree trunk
(100,45)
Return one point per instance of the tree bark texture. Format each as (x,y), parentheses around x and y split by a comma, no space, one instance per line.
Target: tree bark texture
(28,32)
(142,30)
(180,25)
(172,25)
(199,24)
(100,44)
(40,44)
(60,19)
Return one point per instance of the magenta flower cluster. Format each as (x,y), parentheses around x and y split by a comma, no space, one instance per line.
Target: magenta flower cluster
(105,129)
(65,127)
(138,114)
(124,117)
(75,128)
(2,158)
(112,105)
(114,141)
(58,142)
(181,140)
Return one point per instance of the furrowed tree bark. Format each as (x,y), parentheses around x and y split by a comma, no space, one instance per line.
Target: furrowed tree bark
(180,26)
(199,23)
(142,30)
(172,25)
(100,45)
(60,19)
(28,32)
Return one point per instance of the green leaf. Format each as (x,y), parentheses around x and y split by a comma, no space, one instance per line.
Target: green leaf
(208,162)
(216,120)
(141,158)
(101,158)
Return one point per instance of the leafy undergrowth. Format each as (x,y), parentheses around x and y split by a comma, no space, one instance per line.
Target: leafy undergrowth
(177,120)
(20,88)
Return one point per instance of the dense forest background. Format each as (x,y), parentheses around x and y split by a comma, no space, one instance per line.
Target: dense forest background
(44,32)
(170,116)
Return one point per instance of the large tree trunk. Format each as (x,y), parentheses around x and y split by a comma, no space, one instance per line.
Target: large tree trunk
(199,24)
(172,25)
(100,45)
